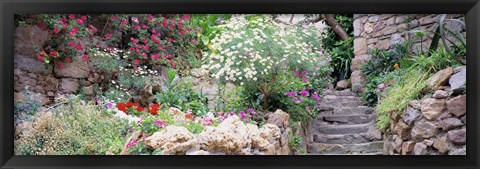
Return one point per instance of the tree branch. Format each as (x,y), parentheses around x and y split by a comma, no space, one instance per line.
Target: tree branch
(335,27)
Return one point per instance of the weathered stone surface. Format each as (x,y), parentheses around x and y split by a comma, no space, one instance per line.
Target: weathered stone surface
(383,44)
(29,63)
(26,38)
(450,123)
(402,27)
(400,19)
(397,39)
(440,94)
(357,78)
(458,136)
(407,147)
(78,68)
(359,60)
(49,83)
(411,115)
(172,140)
(368,28)
(428,142)
(458,80)
(373,18)
(359,46)
(279,118)
(459,69)
(440,78)
(442,145)
(88,90)
(459,151)
(426,20)
(415,104)
(403,130)
(423,129)
(432,108)
(398,144)
(414,23)
(357,27)
(199,72)
(389,30)
(344,84)
(69,85)
(457,105)
(420,149)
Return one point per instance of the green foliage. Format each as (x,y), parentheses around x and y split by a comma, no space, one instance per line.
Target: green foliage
(205,26)
(73,129)
(340,51)
(180,94)
(409,83)
(294,142)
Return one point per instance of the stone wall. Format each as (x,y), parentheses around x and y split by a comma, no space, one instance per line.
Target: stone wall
(45,79)
(436,124)
(383,31)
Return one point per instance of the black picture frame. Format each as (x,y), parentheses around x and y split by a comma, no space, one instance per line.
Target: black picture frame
(10,7)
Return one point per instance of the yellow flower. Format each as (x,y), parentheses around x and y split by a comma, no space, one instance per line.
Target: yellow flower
(396,66)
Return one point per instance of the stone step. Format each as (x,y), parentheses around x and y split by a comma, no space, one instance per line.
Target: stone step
(349,119)
(361,148)
(344,129)
(343,103)
(353,110)
(342,138)
(345,92)
(341,98)
(355,153)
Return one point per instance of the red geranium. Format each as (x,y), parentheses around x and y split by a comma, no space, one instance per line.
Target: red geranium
(153,109)
(122,107)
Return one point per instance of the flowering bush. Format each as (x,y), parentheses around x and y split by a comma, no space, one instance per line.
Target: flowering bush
(156,39)
(68,32)
(260,54)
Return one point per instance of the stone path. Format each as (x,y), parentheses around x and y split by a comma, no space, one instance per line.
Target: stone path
(345,126)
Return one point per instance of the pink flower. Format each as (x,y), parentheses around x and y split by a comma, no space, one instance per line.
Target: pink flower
(137,27)
(40,58)
(71,16)
(194,41)
(304,80)
(85,57)
(135,67)
(83,17)
(146,47)
(79,46)
(74,31)
(68,60)
(136,62)
(56,30)
(144,26)
(108,36)
(149,17)
(155,56)
(92,28)
(134,19)
(304,93)
(135,41)
(169,39)
(60,65)
(71,44)
(80,21)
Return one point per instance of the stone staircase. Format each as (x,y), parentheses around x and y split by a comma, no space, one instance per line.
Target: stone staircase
(344,126)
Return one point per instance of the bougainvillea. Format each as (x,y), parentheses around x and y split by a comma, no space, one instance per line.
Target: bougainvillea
(70,33)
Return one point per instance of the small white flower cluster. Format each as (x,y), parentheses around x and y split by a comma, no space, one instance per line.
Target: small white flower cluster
(114,53)
(248,50)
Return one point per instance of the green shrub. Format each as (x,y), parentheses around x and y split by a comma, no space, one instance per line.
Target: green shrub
(73,129)
(27,109)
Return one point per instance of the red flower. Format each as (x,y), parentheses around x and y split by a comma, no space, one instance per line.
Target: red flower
(136,62)
(68,60)
(40,58)
(71,44)
(140,109)
(60,65)
(54,54)
(79,46)
(153,109)
(129,104)
(85,57)
(43,53)
(122,107)
(56,30)
(108,36)
(74,31)
(71,16)
(83,17)
(80,21)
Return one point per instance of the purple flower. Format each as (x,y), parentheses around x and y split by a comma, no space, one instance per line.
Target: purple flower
(308,108)
(318,103)
(304,80)
(304,93)
(199,28)
(109,105)
(298,74)
(251,111)
(315,96)
(232,113)
(159,123)
(291,94)
(242,114)
(132,143)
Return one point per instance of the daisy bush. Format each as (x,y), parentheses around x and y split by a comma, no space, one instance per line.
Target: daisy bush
(261,55)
